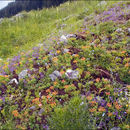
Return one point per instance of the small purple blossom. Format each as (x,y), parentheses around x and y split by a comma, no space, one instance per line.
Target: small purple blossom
(45,127)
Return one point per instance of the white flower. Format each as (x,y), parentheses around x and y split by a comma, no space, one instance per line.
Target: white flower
(63,39)
(14,80)
(23,74)
(72,74)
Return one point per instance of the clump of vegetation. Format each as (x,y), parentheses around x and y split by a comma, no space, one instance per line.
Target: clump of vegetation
(74,115)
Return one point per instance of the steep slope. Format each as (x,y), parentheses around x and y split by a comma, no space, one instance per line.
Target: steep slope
(24,30)
(19,5)
(77,81)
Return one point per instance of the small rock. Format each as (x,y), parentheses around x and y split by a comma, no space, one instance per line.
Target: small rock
(81,103)
(129,30)
(99,99)
(40,94)
(70,36)
(14,80)
(63,39)
(19,15)
(11,97)
(41,111)
(63,25)
(102,3)
(40,45)
(116,128)
(65,50)
(55,75)
(32,108)
(23,74)
(119,30)
(1,20)
(51,54)
(74,54)
(72,74)
(92,44)
(66,18)
(2,99)
(86,19)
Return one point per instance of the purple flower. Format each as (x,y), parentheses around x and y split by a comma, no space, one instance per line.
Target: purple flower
(3,99)
(46,127)
(119,117)
(103,103)
(115,113)
(11,68)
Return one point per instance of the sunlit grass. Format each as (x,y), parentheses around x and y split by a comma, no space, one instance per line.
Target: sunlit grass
(36,26)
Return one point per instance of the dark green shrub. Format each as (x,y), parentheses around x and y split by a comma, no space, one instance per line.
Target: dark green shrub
(72,116)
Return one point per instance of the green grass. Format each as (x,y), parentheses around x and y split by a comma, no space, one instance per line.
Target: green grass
(36,26)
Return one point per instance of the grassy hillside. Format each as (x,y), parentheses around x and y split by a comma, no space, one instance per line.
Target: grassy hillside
(17,34)
(76,78)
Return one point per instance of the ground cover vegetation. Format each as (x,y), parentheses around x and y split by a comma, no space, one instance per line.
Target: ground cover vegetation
(78,81)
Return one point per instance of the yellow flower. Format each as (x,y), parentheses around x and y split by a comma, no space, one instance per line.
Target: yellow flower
(75,61)
(22,53)
(85,47)
(109,104)
(54,93)
(87,32)
(53,104)
(58,51)
(89,97)
(52,86)
(127,65)
(97,79)
(44,58)
(110,114)
(88,73)
(36,100)
(25,113)
(6,63)
(62,72)
(92,110)
(47,66)
(123,52)
(43,97)
(83,58)
(101,109)
(6,76)
(15,113)
(88,65)
(55,59)
(4,67)
(48,90)
(69,53)
(55,83)
(127,126)
(76,55)
(66,86)
(128,86)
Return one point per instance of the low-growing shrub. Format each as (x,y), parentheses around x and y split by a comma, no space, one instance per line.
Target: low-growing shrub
(72,116)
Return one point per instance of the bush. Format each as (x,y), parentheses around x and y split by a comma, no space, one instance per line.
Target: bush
(72,116)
